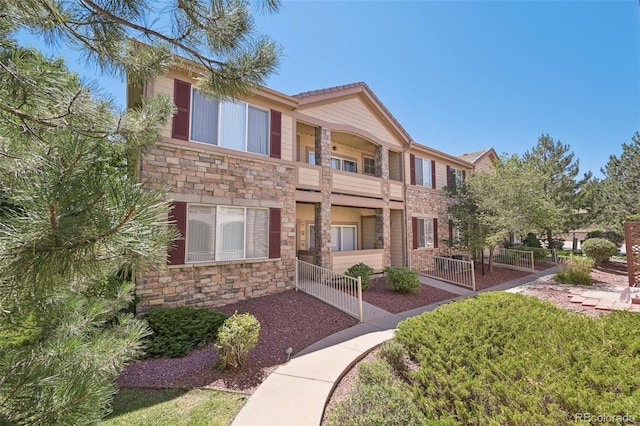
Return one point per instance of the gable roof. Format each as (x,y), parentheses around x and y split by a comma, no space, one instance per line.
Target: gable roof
(475,156)
(321,95)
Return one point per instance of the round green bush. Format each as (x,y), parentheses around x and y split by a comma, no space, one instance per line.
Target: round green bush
(237,336)
(402,280)
(599,249)
(531,241)
(177,331)
(363,271)
(614,236)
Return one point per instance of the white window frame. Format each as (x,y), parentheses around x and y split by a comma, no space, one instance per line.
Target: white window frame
(423,240)
(364,165)
(216,255)
(456,176)
(342,164)
(312,237)
(425,176)
(219,123)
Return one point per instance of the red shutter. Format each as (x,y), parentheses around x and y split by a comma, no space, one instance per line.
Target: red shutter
(182,99)
(435,233)
(433,174)
(178,216)
(414,225)
(275,148)
(448,176)
(451,231)
(464,175)
(274,233)
(412,168)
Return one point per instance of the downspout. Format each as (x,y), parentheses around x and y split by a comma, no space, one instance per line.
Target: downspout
(404,216)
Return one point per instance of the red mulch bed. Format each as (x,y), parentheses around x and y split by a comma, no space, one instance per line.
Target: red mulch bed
(382,296)
(287,319)
(496,276)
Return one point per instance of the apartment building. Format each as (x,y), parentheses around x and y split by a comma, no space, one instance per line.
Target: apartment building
(327,176)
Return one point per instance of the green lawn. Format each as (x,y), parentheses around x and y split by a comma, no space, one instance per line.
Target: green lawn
(175,407)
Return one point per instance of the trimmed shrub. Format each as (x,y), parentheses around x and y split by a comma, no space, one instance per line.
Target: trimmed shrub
(177,331)
(502,358)
(402,279)
(396,356)
(380,398)
(532,241)
(615,237)
(576,270)
(599,249)
(237,336)
(556,244)
(363,271)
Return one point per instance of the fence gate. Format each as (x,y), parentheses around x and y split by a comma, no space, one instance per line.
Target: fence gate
(338,290)
(632,242)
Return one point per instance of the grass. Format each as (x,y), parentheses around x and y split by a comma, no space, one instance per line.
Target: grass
(175,407)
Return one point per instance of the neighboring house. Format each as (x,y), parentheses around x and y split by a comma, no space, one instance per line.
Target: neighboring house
(481,160)
(328,176)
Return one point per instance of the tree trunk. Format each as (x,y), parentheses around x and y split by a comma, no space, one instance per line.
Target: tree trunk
(549,238)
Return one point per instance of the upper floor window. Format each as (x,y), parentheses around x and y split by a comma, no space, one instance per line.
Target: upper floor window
(370,166)
(423,172)
(344,164)
(235,125)
(456,177)
(336,162)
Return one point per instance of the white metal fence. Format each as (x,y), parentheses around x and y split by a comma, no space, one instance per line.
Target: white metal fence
(521,260)
(455,271)
(338,290)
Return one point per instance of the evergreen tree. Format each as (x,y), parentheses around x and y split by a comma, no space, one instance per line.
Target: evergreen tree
(76,224)
(492,205)
(556,162)
(616,198)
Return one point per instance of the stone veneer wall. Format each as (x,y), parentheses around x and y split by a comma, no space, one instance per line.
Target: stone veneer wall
(211,177)
(432,202)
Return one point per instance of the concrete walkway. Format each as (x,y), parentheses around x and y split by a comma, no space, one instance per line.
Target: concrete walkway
(296,393)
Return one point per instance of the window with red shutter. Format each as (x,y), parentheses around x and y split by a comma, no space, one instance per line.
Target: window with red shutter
(182,100)
(412,168)
(178,216)
(275,142)
(275,223)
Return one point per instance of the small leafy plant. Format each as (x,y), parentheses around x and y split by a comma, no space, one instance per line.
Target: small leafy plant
(402,279)
(576,270)
(363,271)
(237,336)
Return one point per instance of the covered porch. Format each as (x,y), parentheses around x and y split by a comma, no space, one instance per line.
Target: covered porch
(349,235)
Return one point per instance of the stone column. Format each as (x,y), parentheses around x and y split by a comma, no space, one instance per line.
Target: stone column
(383,233)
(382,162)
(383,215)
(323,209)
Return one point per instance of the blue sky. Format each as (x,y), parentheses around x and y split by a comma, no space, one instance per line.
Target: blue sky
(463,76)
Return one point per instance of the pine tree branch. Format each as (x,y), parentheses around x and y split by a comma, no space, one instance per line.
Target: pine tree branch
(210,63)
(112,231)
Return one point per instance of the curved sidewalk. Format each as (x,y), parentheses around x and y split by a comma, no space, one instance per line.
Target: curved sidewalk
(296,393)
